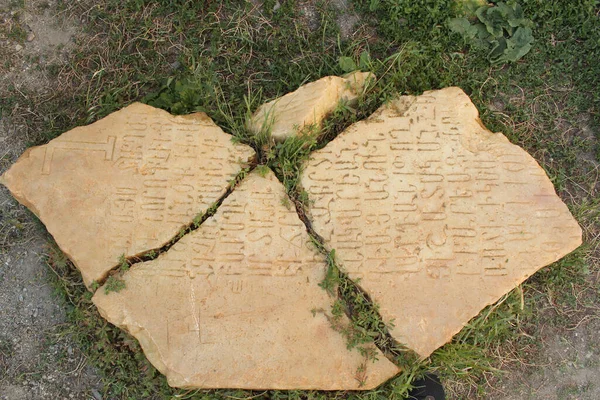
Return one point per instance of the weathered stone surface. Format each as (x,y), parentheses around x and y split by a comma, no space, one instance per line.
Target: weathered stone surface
(125,184)
(308,105)
(436,215)
(230,304)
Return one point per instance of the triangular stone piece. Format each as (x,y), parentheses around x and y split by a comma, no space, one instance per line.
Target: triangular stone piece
(435,214)
(308,105)
(125,184)
(230,305)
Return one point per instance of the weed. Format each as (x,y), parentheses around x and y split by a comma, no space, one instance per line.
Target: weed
(501,29)
(262,170)
(366,325)
(332,275)
(95,285)
(123,264)
(113,284)
(286,159)
(152,254)
(236,181)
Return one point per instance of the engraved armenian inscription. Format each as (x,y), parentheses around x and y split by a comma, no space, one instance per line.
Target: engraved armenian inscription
(125,184)
(432,214)
(238,314)
(435,215)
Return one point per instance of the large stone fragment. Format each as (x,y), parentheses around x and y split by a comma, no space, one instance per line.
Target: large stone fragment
(286,116)
(125,184)
(436,215)
(230,304)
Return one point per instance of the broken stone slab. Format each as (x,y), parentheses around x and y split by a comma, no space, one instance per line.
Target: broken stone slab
(125,184)
(231,304)
(437,216)
(307,106)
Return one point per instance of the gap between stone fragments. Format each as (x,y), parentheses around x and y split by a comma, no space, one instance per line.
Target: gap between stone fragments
(148,255)
(396,352)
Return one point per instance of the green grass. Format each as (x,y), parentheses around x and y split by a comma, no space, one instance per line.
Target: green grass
(226,59)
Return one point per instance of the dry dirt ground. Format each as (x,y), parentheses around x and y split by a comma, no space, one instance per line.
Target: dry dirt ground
(37,361)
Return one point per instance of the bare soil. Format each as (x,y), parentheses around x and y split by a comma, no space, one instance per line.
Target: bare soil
(37,361)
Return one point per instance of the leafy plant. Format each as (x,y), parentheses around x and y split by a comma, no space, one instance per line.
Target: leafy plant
(502,29)
(113,284)
(347,64)
(185,95)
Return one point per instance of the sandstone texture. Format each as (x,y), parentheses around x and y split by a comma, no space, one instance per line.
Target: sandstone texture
(307,106)
(230,304)
(125,184)
(435,214)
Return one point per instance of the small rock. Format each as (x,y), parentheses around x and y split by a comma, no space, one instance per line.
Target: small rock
(277,6)
(30,37)
(18,47)
(308,105)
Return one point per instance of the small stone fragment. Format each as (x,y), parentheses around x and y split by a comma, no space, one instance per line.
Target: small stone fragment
(18,47)
(231,304)
(307,106)
(125,184)
(30,36)
(437,216)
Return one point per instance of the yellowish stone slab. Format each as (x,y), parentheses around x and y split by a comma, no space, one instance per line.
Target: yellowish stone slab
(125,184)
(436,215)
(286,116)
(229,306)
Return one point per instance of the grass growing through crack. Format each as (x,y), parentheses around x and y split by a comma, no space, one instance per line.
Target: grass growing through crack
(366,325)
(226,59)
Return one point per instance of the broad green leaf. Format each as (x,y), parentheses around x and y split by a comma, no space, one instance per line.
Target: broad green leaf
(469,7)
(515,53)
(347,64)
(518,11)
(483,38)
(463,27)
(365,60)
(498,47)
(522,37)
(518,45)
(494,21)
(505,10)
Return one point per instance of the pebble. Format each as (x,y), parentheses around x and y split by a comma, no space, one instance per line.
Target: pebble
(31,36)
(18,47)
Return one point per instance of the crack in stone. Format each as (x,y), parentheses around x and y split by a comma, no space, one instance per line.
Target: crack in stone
(394,351)
(189,228)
